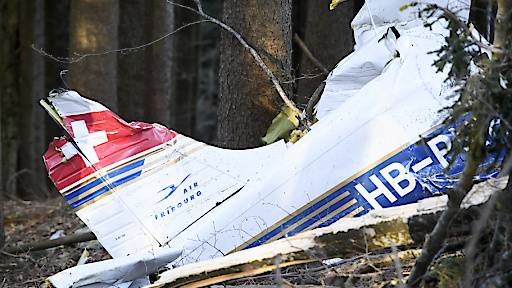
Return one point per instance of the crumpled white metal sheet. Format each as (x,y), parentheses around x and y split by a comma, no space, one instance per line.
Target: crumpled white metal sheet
(382,61)
(120,272)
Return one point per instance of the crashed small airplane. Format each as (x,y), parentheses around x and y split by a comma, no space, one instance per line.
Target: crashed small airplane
(378,144)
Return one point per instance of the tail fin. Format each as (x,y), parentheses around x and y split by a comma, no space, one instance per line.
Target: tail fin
(97,136)
(139,185)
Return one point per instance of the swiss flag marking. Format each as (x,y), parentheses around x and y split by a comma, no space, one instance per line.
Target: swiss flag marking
(86,141)
(104,139)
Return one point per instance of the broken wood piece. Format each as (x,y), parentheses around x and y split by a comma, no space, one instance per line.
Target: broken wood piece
(313,100)
(369,263)
(377,230)
(45,244)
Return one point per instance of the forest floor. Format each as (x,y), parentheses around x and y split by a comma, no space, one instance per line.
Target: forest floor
(27,222)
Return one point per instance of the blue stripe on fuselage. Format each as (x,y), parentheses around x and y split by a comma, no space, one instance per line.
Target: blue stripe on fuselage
(105,189)
(324,213)
(429,180)
(103,179)
(298,217)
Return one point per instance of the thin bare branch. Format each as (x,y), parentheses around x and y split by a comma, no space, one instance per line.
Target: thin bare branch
(80,57)
(452,16)
(314,99)
(435,240)
(479,226)
(308,53)
(251,50)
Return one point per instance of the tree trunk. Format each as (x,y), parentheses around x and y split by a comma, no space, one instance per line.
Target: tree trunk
(248,101)
(93,29)
(2,234)
(9,73)
(328,36)
(31,122)
(482,15)
(131,65)
(8,89)
(502,18)
(57,43)
(186,56)
(158,59)
(208,75)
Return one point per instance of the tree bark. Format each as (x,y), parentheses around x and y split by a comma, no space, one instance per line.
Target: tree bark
(482,15)
(2,234)
(328,36)
(93,29)
(131,65)
(500,32)
(31,128)
(158,59)
(248,102)
(186,49)
(9,92)
(2,55)
(56,43)
(9,20)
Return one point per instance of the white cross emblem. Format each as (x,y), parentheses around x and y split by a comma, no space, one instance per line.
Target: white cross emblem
(85,141)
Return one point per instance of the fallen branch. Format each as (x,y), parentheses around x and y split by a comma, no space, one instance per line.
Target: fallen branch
(361,265)
(371,263)
(46,244)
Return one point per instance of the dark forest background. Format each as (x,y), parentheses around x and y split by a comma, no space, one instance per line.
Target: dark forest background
(155,61)
(198,80)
